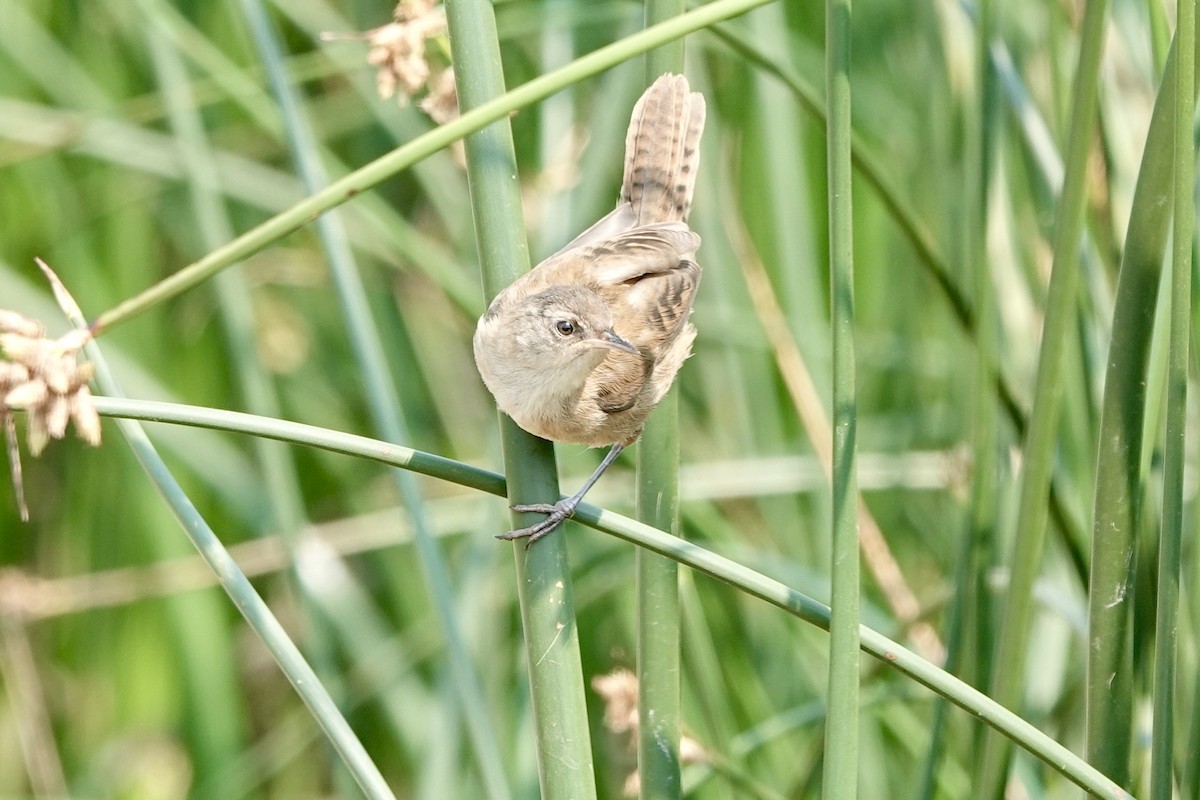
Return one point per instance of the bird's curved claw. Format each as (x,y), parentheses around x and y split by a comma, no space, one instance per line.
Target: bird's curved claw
(556,514)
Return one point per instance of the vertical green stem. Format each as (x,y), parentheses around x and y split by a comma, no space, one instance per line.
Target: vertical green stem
(1189,774)
(840,781)
(1008,674)
(543,572)
(1160,32)
(387,412)
(984,501)
(1118,466)
(669,57)
(969,615)
(984,504)
(658,609)
(658,577)
(1167,613)
(1189,777)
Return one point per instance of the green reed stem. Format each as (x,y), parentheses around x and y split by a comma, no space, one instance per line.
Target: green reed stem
(1008,677)
(543,572)
(753,583)
(1162,758)
(840,778)
(1110,670)
(405,156)
(383,401)
(658,621)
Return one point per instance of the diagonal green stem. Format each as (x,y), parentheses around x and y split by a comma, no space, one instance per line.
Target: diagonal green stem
(235,583)
(403,157)
(688,553)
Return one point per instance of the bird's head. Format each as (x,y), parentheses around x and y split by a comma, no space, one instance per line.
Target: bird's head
(544,345)
(565,324)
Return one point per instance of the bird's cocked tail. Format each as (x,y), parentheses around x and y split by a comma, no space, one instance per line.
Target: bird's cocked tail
(662,151)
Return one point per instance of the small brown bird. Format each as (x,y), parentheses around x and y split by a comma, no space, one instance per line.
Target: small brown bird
(582,347)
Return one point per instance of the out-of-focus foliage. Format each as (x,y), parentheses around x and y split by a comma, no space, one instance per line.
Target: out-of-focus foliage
(127,675)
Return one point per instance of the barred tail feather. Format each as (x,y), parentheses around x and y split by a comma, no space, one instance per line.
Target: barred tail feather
(662,151)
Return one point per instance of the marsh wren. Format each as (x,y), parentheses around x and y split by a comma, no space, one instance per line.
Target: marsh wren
(581,348)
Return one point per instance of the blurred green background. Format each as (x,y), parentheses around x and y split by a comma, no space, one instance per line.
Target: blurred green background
(126,674)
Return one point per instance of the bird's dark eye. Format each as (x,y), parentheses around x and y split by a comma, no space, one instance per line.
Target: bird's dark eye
(565,327)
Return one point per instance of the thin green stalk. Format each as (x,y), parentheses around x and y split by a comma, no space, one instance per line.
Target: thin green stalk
(1189,779)
(969,616)
(543,572)
(1027,735)
(286,512)
(964,606)
(379,229)
(658,620)
(984,508)
(306,682)
(214,227)
(1118,467)
(871,170)
(1038,462)
(1170,537)
(383,402)
(390,235)
(235,583)
(473,119)
(840,777)
(395,455)
(1160,32)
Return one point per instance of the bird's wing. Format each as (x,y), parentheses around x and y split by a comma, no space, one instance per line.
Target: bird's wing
(634,254)
(618,220)
(649,277)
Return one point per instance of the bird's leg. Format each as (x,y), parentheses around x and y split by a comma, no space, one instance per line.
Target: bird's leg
(563,509)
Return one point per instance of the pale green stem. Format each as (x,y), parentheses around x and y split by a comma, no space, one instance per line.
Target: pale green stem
(543,572)
(658,621)
(403,157)
(1162,759)
(840,776)
(1027,735)
(1008,674)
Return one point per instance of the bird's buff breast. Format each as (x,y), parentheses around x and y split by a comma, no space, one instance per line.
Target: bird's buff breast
(550,402)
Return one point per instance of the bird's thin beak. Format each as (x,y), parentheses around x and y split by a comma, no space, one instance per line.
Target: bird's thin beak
(609,338)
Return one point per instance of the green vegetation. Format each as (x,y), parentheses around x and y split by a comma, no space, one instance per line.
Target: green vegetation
(137,138)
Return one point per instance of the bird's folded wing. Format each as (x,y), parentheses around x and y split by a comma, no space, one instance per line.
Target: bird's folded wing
(648,250)
(611,224)
(649,279)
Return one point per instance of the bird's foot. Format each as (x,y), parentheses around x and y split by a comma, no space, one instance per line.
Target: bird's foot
(557,514)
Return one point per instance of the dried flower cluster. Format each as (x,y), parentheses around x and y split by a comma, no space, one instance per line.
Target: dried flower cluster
(43,378)
(441,103)
(619,690)
(405,70)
